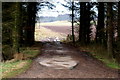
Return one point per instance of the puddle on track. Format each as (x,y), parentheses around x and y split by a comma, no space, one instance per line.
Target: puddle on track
(58,62)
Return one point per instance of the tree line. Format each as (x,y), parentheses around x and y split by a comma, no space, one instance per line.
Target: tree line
(18,25)
(107,22)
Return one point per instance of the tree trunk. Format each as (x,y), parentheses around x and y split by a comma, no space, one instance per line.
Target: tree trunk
(15,32)
(100,35)
(82,27)
(30,28)
(88,31)
(33,21)
(118,21)
(73,22)
(118,40)
(1,56)
(110,30)
(22,25)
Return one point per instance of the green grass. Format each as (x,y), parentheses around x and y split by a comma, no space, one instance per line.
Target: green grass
(11,69)
(14,67)
(111,64)
(30,53)
(100,52)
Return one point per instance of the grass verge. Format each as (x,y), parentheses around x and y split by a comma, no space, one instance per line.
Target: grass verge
(29,53)
(100,52)
(13,67)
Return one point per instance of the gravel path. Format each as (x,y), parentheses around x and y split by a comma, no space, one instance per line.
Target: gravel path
(87,67)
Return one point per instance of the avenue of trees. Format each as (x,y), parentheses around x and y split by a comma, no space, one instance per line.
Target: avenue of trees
(18,25)
(107,23)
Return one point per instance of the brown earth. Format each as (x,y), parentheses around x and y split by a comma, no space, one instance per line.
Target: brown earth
(60,29)
(87,67)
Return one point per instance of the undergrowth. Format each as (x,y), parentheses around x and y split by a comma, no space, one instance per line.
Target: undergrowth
(13,67)
(100,52)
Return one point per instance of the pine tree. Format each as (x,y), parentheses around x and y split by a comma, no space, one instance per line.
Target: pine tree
(100,35)
(30,27)
(85,18)
(110,29)
(16,28)
(118,21)
(73,22)
(82,28)
(87,22)
(8,21)
(118,40)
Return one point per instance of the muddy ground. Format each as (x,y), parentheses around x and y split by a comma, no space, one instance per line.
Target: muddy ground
(88,67)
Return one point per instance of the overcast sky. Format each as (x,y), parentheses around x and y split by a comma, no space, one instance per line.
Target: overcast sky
(58,10)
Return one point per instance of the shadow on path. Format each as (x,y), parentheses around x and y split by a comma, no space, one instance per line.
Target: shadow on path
(87,66)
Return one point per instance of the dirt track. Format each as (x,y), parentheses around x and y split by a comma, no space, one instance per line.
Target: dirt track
(88,67)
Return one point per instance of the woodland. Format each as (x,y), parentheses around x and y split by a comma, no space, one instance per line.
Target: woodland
(19,18)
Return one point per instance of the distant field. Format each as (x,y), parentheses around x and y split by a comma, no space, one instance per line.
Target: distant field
(60,29)
(56,23)
(52,29)
(43,33)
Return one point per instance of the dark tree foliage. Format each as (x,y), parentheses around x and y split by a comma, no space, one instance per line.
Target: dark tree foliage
(107,27)
(82,28)
(18,25)
(85,18)
(30,27)
(7,29)
(100,35)
(110,29)
(19,20)
(117,48)
(88,19)
(118,21)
